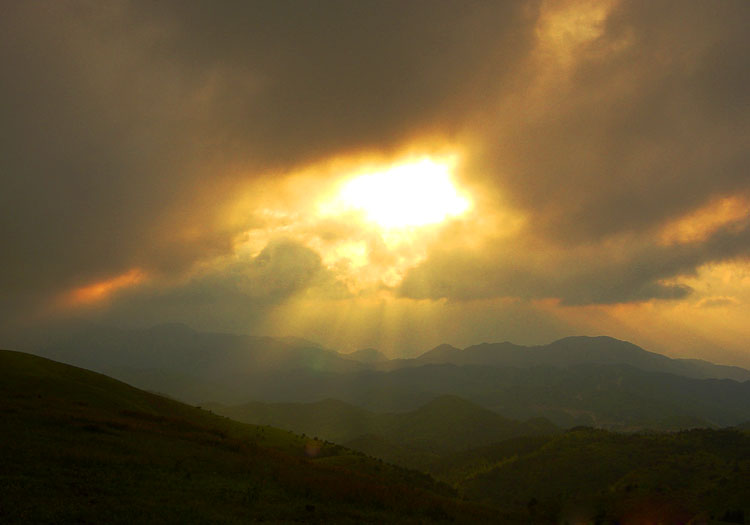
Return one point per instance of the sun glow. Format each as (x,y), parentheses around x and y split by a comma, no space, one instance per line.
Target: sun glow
(413,194)
(369,221)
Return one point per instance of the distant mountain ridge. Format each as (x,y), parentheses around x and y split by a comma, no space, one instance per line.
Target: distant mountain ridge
(597,381)
(367,355)
(181,349)
(577,350)
(193,366)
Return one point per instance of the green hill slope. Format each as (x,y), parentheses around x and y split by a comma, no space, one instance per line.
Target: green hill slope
(586,475)
(445,424)
(77,446)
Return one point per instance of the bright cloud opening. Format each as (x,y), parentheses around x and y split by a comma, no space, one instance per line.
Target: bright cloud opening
(412,194)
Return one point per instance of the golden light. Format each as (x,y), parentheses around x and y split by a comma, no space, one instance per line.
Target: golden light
(369,219)
(411,194)
(700,224)
(101,290)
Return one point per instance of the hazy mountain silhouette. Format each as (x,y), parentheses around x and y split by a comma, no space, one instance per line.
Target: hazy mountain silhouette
(611,396)
(193,366)
(447,423)
(444,353)
(576,351)
(178,348)
(367,355)
(579,380)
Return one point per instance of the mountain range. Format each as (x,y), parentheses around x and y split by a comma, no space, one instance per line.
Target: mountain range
(597,381)
(571,351)
(78,446)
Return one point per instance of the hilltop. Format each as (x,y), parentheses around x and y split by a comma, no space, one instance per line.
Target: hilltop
(78,446)
(588,475)
(444,425)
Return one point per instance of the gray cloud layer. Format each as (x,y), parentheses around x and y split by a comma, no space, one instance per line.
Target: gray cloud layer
(621,271)
(232,294)
(126,122)
(115,114)
(653,121)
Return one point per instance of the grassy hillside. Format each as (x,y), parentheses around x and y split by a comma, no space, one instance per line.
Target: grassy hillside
(593,475)
(445,424)
(81,447)
(458,467)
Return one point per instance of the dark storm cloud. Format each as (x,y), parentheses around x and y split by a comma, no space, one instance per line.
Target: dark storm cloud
(652,122)
(617,272)
(94,151)
(307,79)
(232,294)
(121,120)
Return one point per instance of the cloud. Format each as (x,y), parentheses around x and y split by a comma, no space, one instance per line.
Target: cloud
(630,269)
(130,129)
(628,124)
(647,120)
(718,301)
(232,294)
(280,270)
(304,81)
(127,126)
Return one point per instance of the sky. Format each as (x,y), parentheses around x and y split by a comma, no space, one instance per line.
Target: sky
(380,173)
